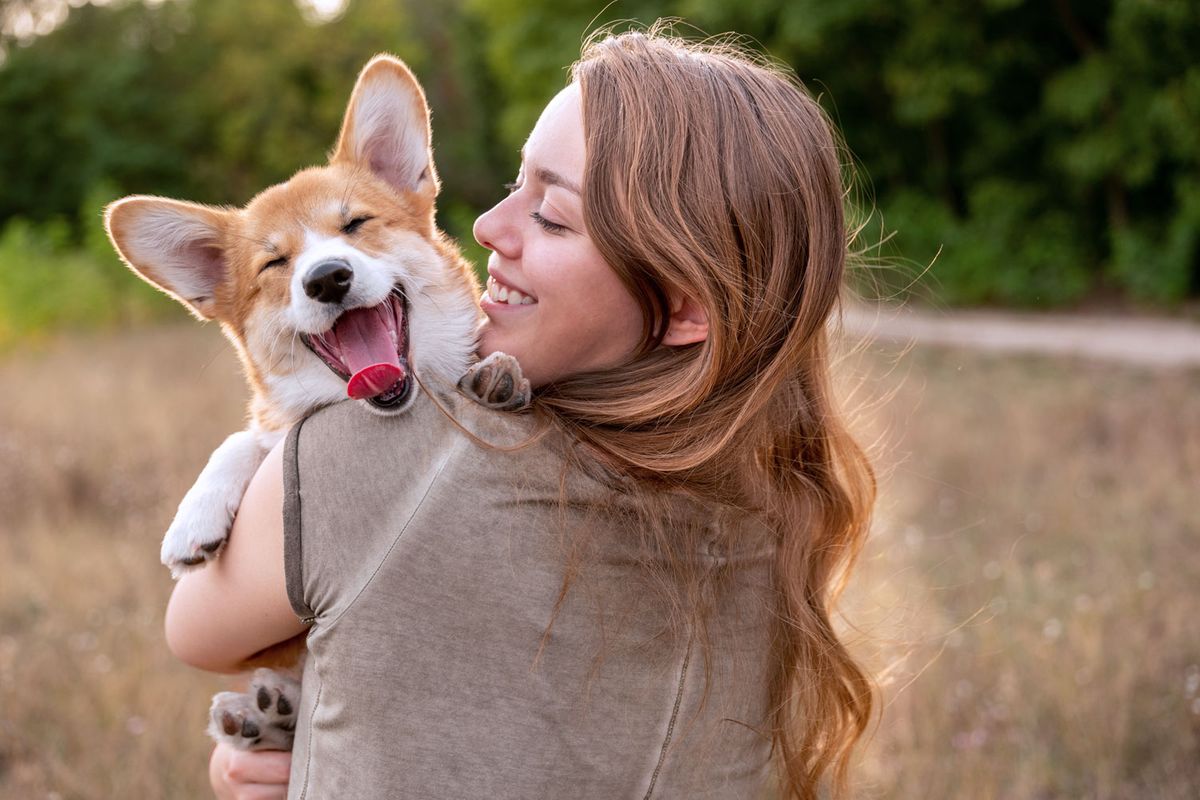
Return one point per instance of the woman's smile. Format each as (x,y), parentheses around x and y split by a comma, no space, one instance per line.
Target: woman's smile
(552,301)
(502,293)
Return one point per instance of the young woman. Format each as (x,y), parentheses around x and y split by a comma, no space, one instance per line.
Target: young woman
(637,603)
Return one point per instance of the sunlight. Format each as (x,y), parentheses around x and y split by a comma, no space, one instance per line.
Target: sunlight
(322,10)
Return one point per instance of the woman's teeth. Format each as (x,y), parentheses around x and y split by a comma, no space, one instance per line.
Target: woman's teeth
(502,294)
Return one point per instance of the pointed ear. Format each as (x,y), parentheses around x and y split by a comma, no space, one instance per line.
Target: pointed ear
(386,128)
(174,245)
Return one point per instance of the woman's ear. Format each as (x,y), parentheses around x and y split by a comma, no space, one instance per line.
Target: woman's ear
(688,322)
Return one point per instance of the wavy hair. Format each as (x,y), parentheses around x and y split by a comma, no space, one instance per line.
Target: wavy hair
(713,174)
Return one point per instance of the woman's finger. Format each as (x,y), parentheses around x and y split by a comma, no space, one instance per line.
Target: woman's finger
(238,775)
(259,766)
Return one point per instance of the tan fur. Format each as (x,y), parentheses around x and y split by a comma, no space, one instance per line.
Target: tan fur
(273,224)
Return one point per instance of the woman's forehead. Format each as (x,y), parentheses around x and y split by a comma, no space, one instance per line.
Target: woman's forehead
(557,142)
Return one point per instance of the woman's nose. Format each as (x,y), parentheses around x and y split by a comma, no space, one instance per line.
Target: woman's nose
(491,231)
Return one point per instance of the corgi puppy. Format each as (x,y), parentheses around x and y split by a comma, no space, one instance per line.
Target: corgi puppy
(334,284)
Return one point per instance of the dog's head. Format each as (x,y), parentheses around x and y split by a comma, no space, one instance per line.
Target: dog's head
(336,282)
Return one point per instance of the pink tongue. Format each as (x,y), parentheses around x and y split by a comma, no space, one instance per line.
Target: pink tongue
(368,351)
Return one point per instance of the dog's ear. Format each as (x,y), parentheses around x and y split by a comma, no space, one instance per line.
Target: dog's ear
(386,128)
(174,245)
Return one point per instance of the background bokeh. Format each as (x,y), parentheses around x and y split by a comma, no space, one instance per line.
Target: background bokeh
(1048,149)
(1029,596)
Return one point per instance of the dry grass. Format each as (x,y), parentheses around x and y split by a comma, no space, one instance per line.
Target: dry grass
(1031,588)
(98,440)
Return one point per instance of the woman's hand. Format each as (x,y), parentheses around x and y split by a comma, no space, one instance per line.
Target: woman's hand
(249,775)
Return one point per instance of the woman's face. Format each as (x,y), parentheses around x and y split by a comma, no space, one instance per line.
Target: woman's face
(551,300)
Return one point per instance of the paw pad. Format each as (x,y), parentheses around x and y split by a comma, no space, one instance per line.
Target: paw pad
(497,382)
(262,718)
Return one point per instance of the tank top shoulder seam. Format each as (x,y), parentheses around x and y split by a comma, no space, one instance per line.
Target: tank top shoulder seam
(433,481)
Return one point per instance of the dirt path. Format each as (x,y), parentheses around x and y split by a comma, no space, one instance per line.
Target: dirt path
(1147,341)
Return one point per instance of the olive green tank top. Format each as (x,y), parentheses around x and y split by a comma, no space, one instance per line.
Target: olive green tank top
(429,567)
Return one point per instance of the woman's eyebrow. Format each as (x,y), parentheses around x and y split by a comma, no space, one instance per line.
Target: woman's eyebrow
(552,178)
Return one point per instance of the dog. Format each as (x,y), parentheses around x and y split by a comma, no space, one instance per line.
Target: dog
(334,284)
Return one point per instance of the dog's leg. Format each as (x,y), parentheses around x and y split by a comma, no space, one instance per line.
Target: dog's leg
(264,718)
(497,382)
(202,523)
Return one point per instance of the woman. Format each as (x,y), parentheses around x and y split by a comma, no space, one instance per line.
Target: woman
(636,604)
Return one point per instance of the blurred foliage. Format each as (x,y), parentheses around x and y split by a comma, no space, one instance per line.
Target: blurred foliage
(1033,152)
(53,278)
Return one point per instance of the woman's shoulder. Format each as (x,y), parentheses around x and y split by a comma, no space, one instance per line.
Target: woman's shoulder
(439,424)
(433,413)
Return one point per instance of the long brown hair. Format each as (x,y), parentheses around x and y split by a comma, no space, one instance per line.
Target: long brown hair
(716,175)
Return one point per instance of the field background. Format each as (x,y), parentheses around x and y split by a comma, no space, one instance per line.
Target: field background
(1029,595)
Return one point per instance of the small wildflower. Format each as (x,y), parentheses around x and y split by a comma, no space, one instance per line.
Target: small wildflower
(947,505)
(913,537)
(969,740)
(84,641)
(1191,682)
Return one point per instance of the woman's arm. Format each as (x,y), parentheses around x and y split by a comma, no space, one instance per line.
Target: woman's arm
(236,606)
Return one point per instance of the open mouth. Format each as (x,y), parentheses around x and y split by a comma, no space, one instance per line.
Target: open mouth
(368,348)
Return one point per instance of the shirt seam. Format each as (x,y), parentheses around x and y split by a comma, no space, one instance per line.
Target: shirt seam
(308,740)
(433,481)
(662,756)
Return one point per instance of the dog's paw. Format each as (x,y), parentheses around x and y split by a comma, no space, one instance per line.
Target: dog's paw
(263,718)
(198,531)
(497,382)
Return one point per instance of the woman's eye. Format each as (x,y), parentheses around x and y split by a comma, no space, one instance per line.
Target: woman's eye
(551,227)
(512,187)
(274,262)
(354,224)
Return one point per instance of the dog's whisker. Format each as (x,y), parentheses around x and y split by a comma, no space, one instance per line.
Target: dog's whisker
(430,298)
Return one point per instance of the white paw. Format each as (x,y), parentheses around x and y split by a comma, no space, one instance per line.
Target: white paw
(202,523)
(264,718)
(199,529)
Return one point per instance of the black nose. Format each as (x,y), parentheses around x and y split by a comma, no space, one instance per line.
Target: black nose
(329,281)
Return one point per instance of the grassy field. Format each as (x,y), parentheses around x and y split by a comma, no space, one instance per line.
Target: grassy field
(1031,595)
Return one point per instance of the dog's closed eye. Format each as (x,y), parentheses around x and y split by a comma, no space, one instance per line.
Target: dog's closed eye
(353,225)
(281,261)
